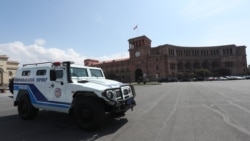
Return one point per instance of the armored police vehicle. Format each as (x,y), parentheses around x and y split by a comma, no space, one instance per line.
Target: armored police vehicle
(81,91)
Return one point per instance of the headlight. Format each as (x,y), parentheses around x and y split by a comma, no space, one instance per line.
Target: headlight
(126,90)
(110,94)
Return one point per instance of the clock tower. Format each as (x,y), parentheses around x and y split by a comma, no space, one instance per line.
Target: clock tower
(139,47)
(139,51)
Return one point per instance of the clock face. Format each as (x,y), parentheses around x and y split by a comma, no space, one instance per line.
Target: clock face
(137,54)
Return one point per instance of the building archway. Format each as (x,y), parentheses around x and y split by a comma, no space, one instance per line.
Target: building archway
(188,66)
(138,75)
(205,65)
(196,65)
(215,64)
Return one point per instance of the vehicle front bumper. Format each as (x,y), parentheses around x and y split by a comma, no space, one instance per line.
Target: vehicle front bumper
(125,105)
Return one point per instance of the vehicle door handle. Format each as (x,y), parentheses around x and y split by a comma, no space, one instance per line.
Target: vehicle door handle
(52,85)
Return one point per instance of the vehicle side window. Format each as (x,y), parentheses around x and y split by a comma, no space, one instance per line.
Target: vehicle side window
(96,73)
(78,72)
(26,73)
(59,74)
(40,72)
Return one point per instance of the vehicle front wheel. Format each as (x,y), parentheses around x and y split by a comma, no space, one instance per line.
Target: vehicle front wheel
(25,109)
(89,114)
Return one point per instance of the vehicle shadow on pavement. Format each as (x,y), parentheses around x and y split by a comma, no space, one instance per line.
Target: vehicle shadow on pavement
(51,126)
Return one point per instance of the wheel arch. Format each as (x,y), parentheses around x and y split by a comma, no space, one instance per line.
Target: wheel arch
(19,95)
(81,95)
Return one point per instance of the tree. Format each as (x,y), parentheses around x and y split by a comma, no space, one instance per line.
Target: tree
(202,72)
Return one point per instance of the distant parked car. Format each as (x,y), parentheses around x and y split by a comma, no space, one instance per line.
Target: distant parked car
(199,79)
(222,78)
(186,80)
(168,79)
(234,77)
(212,78)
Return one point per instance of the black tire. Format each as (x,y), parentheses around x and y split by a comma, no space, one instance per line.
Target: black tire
(89,113)
(25,109)
(11,83)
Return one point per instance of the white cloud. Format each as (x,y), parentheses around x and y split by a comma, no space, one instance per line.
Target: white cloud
(17,51)
(40,42)
(114,56)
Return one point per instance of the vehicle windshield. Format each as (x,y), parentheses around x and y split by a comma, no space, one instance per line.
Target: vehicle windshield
(78,72)
(96,73)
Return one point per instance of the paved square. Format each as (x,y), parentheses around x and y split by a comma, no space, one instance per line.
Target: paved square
(179,111)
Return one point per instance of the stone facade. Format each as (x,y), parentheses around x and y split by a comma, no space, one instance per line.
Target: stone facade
(7,70)
(167,61)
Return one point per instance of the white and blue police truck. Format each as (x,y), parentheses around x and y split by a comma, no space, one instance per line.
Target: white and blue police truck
(82,92)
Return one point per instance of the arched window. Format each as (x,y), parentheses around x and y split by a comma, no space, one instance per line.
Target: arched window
(215,64)
(205,64)
(187,65)
(180,66)
(196,65)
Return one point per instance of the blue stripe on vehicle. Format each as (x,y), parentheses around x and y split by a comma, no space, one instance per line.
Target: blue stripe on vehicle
(38,98)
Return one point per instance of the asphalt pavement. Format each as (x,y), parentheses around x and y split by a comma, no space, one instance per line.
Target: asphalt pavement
(178,111)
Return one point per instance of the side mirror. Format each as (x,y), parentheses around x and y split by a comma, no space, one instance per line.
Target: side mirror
(52,75)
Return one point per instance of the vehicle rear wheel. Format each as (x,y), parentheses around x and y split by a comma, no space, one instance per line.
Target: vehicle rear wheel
(89,114)
(25,109)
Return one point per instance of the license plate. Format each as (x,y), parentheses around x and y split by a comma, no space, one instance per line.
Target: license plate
(130,101)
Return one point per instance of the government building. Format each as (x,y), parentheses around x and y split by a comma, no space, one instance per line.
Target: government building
(170,61)
(7,70)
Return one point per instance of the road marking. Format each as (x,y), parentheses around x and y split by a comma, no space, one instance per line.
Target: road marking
(228,121)
(161,132)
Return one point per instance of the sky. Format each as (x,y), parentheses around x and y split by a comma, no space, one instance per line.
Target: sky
(34,31)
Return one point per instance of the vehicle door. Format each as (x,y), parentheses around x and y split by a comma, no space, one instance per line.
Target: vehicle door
(58,88)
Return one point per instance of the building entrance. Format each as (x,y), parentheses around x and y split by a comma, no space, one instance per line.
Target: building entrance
(138,75)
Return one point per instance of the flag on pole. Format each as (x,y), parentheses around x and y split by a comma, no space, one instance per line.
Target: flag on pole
(135,27)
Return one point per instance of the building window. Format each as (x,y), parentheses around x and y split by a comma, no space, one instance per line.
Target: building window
(156,67)
(231,51)
(196,65)
(205,65)
(216,64)
(188,66)
(172,66)
(229,64)
(180,66)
